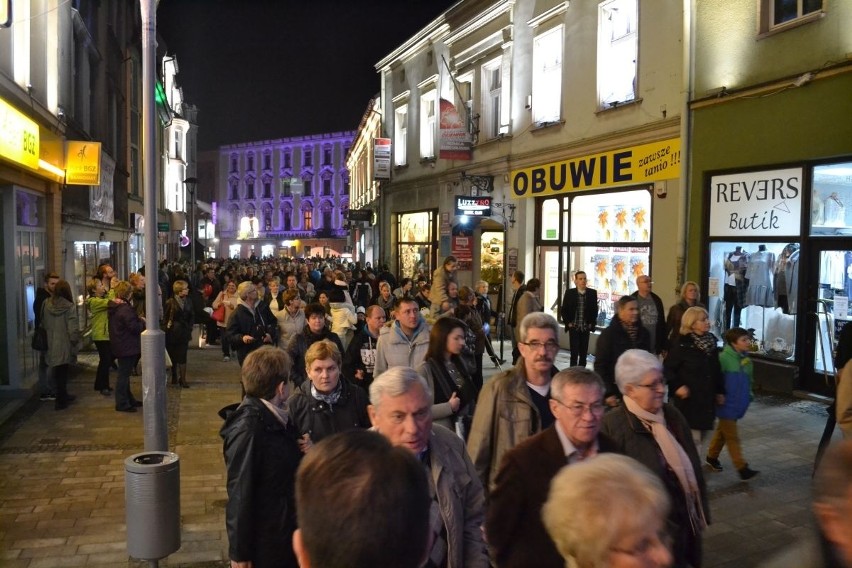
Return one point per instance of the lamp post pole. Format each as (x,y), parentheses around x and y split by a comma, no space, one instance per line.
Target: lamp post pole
(190,183)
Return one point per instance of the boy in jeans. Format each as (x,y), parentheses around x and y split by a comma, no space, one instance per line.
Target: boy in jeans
(738,372)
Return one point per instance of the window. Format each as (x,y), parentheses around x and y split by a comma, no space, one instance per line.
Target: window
(287,218)
(547,76)
(250,188)
(285,188)
(288,159)
(267,161)
(427,125)
(617,52)
(492,84)
(309,157)
(786,13)
(250,162)
(307,222)
(266,212)
(326,156)
(235,192)
(308,191)
(400,135)
(267,189)
(178,144)
(326,219)
(326,186)
(233,163)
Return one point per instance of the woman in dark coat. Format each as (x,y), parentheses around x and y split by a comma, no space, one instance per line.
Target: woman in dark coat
(624,332)
(125,332)
(324,404)
(59,319)
(261,457)
(177,319)
(247,328)
(690,297)
(694,376)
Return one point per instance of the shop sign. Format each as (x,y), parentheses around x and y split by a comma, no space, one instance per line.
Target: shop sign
(163,227)
(473,206)
(757,204)
(360,215)
(627,166)
(82,162)
(462,248)
(19,139)
(381,158)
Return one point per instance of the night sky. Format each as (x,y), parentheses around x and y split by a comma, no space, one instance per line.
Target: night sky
(265,69)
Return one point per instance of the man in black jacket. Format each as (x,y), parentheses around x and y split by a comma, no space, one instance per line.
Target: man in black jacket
(261,459)
(580,316)
(511,321)
(360,358)
(45,380)
(315,330)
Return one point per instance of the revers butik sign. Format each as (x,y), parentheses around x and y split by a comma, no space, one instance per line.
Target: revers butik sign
(756,204)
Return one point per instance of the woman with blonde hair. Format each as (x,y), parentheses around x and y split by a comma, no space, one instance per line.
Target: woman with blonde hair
(608,511)
(178,321)
(97,303)
(227,297)
(690,296)
(694,375)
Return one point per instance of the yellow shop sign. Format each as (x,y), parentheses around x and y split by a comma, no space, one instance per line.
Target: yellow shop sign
(82,162)
(18,136)
(627,166)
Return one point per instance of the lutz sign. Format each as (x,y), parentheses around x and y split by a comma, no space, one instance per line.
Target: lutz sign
(473,206)
(757,204)
(627,166)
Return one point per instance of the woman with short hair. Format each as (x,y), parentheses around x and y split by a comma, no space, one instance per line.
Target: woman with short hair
(324,404)
(125,341)
(178,321)
(608,511)
(690,296)
(228,298)
(657,435)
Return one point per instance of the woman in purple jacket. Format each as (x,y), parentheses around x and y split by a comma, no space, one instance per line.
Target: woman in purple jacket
(125,331)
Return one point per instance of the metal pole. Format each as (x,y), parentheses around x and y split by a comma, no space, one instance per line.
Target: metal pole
(193,231)
(153,338)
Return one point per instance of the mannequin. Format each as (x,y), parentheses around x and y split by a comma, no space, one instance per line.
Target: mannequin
(761,265)
(780,277)
(734,293)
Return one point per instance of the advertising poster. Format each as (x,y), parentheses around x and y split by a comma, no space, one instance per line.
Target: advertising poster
(454,139)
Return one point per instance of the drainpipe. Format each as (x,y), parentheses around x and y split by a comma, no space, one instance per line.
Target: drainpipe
(685,131)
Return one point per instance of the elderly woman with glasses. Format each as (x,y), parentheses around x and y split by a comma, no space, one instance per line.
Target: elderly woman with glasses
(657,435)
(608,511)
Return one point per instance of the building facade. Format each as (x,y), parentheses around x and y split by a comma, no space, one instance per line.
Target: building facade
(771,180)
(367,170)
(285,197)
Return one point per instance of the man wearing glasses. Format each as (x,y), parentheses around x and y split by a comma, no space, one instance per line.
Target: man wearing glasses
(651,314)
(513,525)
(514,405)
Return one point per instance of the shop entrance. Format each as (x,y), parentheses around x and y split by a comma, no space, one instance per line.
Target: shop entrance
(829,288)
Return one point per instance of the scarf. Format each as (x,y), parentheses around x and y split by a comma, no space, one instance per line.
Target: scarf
(676,459)
(330,399)
(706,342)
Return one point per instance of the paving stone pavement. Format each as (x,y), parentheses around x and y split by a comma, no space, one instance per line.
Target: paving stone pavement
(62,475)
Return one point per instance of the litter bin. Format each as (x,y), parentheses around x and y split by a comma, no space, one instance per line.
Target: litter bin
(152,500)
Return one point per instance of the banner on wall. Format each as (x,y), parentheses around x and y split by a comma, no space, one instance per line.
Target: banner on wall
(626,166)
(453,138)
(757,204)
(381,158)
(101,201)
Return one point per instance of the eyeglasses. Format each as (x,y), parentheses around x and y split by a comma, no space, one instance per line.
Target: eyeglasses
(644,546)
(656,385)
(538,345)
(579,409)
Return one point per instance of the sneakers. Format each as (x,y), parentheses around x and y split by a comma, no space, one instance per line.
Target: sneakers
(714,463)
(747,473)
(226,359)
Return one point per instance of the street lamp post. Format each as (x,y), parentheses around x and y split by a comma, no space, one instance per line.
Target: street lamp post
(190,183)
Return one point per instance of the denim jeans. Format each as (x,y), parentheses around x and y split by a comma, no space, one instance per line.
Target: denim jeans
(123,396)
(46,384)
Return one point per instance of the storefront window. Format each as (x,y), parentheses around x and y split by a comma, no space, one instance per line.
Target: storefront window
(612,271)
(550,220)
(623,217)
(832,305)
(831,204)
(755,286)
(491,255)
(416,242)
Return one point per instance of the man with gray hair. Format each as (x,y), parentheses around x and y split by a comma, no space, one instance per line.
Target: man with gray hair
(513,526)
(514,405)
(401,410)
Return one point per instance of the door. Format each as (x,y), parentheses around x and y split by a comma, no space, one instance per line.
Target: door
(827,311)
(549,263)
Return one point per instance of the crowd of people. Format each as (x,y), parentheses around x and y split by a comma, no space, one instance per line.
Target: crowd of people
(367,393)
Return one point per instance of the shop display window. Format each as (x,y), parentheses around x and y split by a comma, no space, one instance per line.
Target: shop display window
(491,256)
(755,286)
(621,217)
(416,241)
(612,272)
(832,305)
(831,203)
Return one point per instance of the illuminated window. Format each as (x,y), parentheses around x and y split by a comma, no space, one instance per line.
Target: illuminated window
(547,76)
(427,125)
(617,52)
(266,212)
(492,84)
(400,135)
(178,144)
(307,221)
(782,14)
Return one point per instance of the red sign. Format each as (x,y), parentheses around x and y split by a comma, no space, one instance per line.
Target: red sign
(454,139)
(462,248)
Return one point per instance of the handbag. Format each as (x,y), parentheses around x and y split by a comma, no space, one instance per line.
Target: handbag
(40,334)
(219,313)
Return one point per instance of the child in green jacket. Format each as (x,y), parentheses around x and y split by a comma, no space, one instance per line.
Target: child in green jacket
(738,373)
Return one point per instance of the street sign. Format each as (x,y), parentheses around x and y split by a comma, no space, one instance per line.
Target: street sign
(360,215)
(163,227)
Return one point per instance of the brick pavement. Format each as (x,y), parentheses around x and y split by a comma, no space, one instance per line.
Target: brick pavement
(62,475)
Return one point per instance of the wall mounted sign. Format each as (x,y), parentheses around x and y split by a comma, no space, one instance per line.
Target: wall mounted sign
(381,158)
(82,162)
(757,204)
(473,206)
(19,140)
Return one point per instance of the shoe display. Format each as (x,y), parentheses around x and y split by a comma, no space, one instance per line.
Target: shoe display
(747,473)
(47,396)
(714,463)
(226,359)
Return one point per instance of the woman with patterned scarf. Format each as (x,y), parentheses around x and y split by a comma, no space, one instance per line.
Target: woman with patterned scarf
(324,405)
(692,369)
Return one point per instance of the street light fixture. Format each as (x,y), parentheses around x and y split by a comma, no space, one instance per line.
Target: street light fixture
(190,184)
